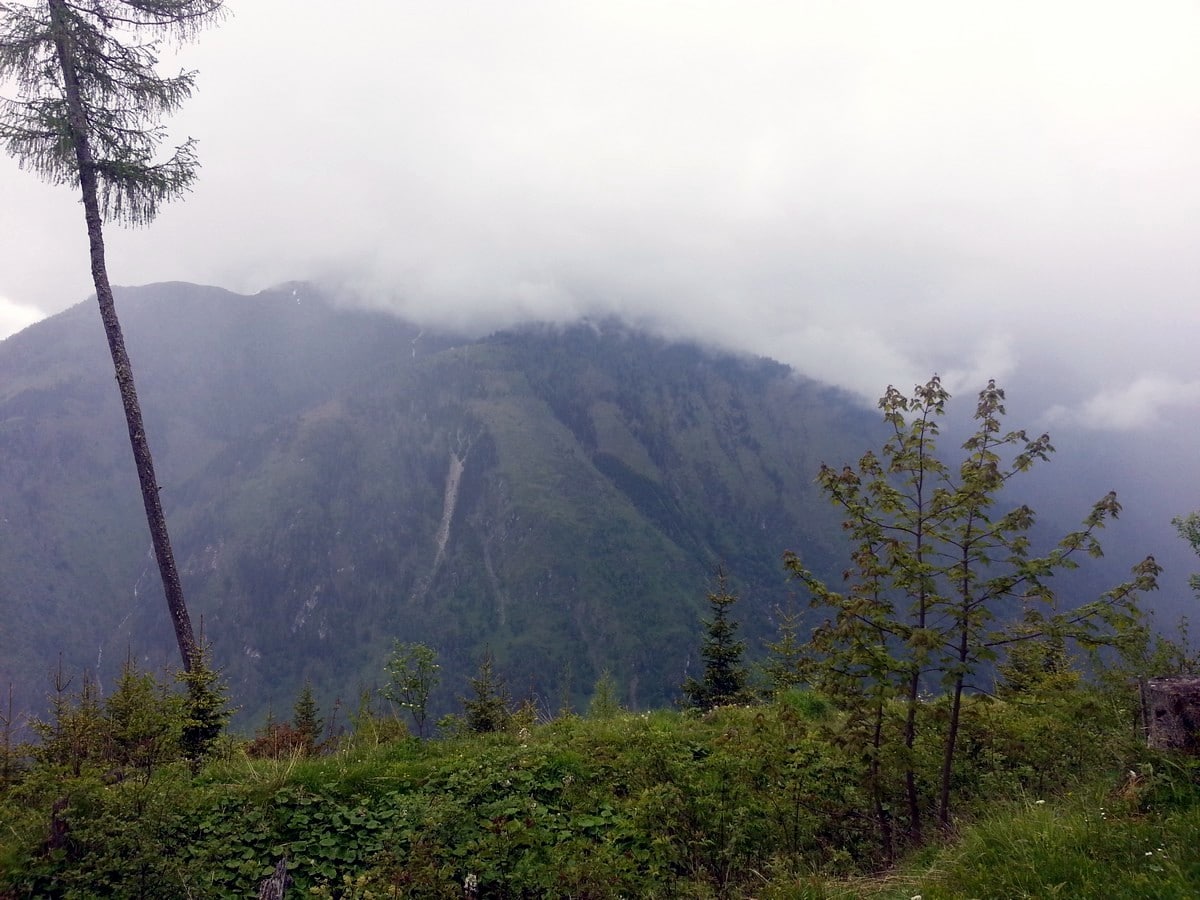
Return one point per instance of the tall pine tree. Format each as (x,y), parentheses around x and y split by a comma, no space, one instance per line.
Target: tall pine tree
(91,101)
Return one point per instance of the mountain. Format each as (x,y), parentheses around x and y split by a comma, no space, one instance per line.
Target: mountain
(335,479)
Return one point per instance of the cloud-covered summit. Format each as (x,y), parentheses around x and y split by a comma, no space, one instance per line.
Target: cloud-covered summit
(869,192)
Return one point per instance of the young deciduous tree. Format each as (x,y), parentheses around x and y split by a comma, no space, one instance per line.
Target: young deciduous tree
(1189,529)
(412,675)
(89,116)
(939,581)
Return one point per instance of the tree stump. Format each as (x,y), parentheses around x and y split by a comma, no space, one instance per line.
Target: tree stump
(275,887)
(1173,714)
(59,827)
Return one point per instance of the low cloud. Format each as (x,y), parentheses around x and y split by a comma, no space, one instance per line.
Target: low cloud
(17,316)
(868,192)
(1144,403)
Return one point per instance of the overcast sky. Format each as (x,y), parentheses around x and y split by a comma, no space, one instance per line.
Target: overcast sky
(867,191)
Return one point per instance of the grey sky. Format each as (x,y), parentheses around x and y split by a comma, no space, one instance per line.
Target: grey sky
(867,191)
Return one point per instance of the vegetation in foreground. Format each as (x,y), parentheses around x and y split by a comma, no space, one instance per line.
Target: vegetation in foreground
(1057,796)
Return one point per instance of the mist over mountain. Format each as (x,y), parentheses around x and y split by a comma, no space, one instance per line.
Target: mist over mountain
(335,479)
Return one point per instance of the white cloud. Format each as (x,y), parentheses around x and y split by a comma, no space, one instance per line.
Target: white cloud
(16,316)
(992,359)
(1141,404)
(870,192)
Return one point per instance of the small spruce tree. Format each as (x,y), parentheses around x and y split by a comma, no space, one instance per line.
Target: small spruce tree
(605,703)
(205,707)
(725,677)
(1039,663)
(12,753)
(307,721)
(74,735)
(489,708)
(787,656)
(141,722)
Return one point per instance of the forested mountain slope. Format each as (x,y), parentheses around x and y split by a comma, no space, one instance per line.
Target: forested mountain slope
(335,479)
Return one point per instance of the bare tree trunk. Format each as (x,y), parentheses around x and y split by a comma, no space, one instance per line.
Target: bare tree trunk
(947,773)
(951,745)
(911,791)
(883,819)
(157,522)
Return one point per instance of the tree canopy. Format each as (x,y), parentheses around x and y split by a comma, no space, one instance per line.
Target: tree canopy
(87,68)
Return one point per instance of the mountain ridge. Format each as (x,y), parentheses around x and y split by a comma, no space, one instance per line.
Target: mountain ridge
(338,478)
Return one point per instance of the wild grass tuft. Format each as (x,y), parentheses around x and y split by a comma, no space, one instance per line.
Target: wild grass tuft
(1100,844)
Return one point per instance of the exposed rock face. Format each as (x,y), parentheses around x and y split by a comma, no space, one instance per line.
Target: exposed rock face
(1173,714)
